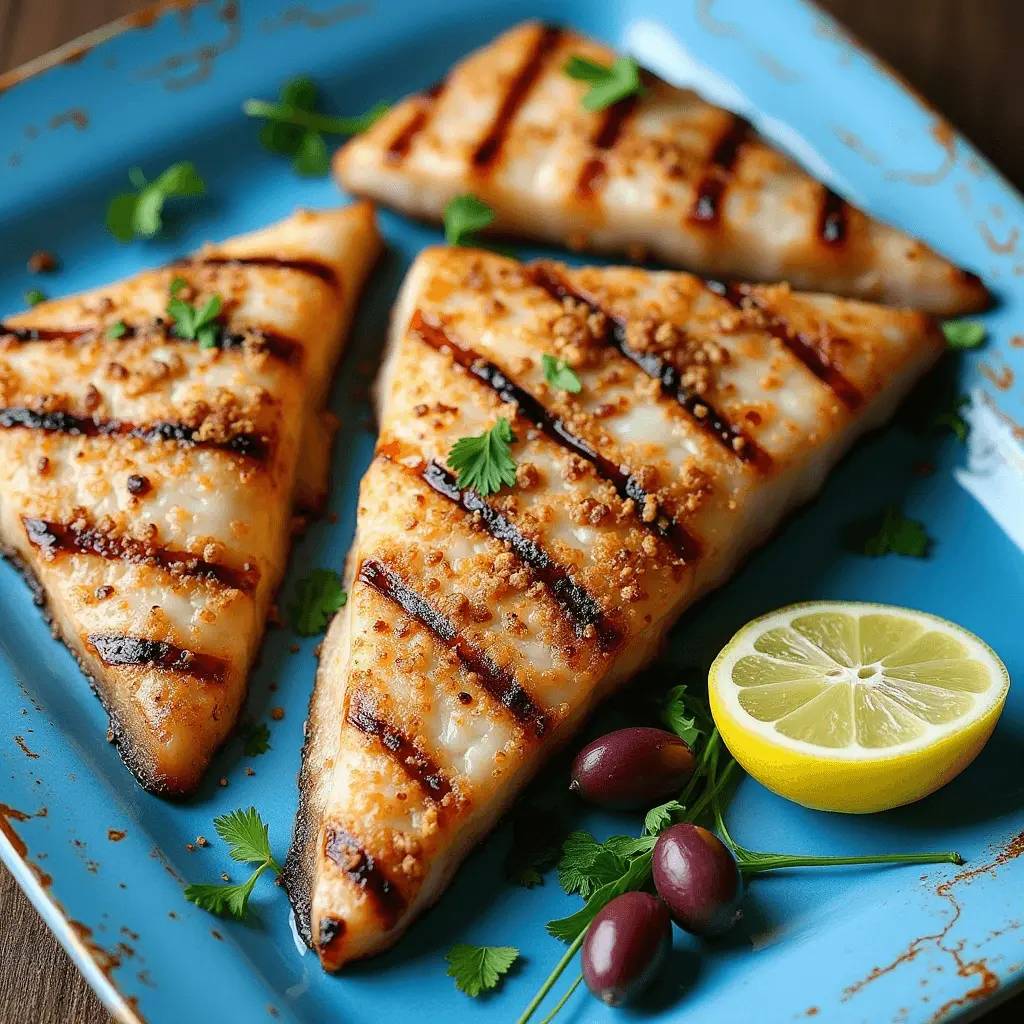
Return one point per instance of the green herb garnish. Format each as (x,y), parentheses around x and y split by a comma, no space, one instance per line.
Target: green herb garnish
(294,127)
(608,85)
(485,462)
(318,597)
(559,374)
(479,968)
(34,296)
(256,738)
(140,214)
(954,420)
(536,847)
(116,330)
(463,216)
(249,843)
(193,323)
(888,532)
(964,334)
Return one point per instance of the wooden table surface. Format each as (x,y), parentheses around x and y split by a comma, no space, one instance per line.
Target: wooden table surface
(964,56)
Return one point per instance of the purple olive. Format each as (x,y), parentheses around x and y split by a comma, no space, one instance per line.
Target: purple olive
(626,947)
(695,873)
(631,768)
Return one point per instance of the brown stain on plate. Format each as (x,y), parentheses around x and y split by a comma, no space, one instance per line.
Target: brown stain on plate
(115,835)
(988,980)
(1002,379)
(994,245)
(945,138)
(192,67)
(302,14)
(20,740)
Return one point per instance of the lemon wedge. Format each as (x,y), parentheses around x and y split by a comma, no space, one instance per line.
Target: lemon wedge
(844,706)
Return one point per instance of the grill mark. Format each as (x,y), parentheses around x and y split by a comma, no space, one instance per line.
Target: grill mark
(489,149)
(253,446)
(661,370)
(58,538)
(589,621)
(400,145)
(612,125)
(500,683)
(624,482)
(803,347)
(118,649)
(833,218)
(418,766)
(309,267)
(361,867)
(714,176)
(277,345)
(332,933)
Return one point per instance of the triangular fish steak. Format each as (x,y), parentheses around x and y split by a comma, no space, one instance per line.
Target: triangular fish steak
(663,174)
(481,631)
(147,480)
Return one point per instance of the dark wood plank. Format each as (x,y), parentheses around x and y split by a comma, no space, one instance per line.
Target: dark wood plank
(963,56)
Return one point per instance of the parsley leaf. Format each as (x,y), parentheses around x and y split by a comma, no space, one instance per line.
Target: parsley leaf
(659,818)
(116,330)
(192,323)
(249,842)
(964,334)
(634,876)
(535,848)
(464,215)
(485,462)
(478,968)
(608,85)
(319,596)
(559,374)
(140,214)
(256,737)
(954,419)
(34,296)
(294,127)
(891,532)
(686,715)
(586,864)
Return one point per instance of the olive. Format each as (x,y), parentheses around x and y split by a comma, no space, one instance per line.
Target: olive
(631,768)
(695,873)
(626,947)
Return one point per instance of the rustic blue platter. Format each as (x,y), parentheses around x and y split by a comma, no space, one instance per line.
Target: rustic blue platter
(841,946)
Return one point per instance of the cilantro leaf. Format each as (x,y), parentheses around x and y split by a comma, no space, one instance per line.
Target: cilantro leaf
(34,296)
(249,843)
(953,418)
(312,159)
(117,330)
(891,532)
(479,968)
(140,214)
(464,215)
(964,334)
(634,876)
(608,85)
(485,462)
(535,847)
(246,834)
(586,864)
(318,597)
(659,818)
(190,322)
(559,374)
(256,739)
(686,715)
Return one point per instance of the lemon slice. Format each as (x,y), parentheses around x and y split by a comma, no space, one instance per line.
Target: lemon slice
(844,706)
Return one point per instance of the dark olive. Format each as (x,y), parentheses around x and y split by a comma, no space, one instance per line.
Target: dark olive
(695,873)
(632,768)
(626,947)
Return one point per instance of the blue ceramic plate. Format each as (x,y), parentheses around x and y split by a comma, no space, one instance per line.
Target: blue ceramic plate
(854,945)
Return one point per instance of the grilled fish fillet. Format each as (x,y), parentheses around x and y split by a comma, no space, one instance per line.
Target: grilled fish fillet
(479,633)
(665,174)
(147,484)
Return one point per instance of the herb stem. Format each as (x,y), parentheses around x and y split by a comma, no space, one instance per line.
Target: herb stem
(561,1002)
(553,977)
(287,114)
(775,862)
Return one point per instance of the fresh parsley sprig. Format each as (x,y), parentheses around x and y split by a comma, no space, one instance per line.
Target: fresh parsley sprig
(294,127)
(953,418)
(608,85)
(890,532)
(34,296)
(479,968)
(964,334)
(191,322)
(318,597)
(484,462)
(255,737)
(559,374)
(139,214)
(248,839)
(463,217)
